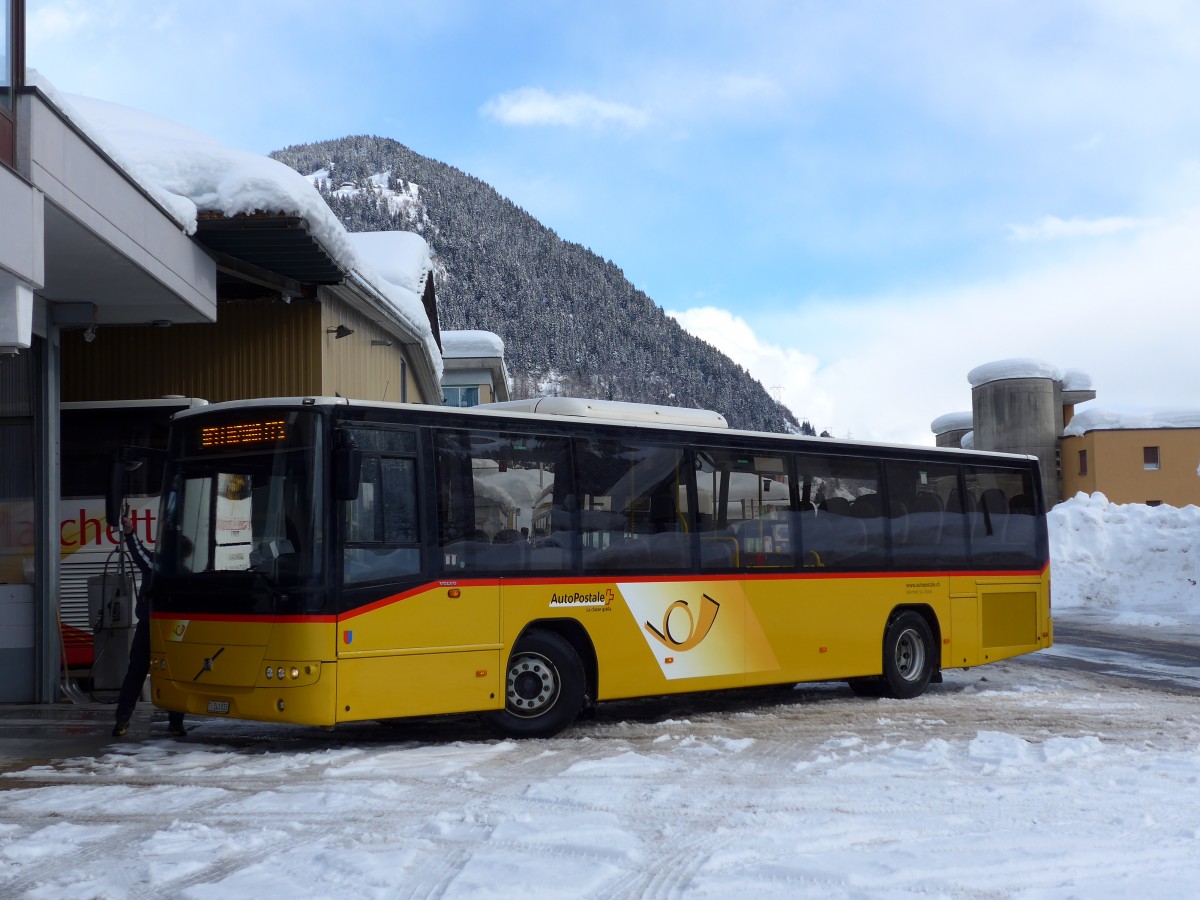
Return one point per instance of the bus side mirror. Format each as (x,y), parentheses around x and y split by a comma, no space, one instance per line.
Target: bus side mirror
(125,459)
(347,467)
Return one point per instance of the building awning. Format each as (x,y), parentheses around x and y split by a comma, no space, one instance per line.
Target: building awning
(112,255)
(280,245)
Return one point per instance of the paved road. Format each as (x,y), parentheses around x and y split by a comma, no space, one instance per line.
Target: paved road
(1161,659)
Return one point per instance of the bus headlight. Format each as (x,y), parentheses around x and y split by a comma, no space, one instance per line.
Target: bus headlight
(270,673)
(295,673)
(279,673)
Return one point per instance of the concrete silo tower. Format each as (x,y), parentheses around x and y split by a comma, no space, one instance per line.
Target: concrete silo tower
(1018,407)
(950,428)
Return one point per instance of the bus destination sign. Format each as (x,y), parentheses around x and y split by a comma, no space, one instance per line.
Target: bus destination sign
(241,434)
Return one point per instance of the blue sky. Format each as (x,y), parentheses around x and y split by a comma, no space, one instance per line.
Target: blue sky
(858,201)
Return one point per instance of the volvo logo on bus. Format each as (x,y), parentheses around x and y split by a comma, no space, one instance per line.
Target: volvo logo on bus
(208,664)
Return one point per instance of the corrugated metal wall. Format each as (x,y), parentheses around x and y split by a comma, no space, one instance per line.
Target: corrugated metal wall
(356,368)
(20,383)
(255,349)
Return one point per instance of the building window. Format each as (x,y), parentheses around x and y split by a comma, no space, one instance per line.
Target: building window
(12,62)
(460,396)
(7,56)
(1150,459)
(1082,462)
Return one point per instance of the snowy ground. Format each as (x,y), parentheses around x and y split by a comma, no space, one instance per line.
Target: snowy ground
(1017,779)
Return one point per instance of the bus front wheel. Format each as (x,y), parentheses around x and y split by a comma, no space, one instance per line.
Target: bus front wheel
(907,656)
(543,687)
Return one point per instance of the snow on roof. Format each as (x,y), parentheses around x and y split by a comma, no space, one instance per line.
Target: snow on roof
(1013,368)
(401,258)
(1109,420)
(188,172)
(467,344)
(1076,380)
(955,421)
(1023,367)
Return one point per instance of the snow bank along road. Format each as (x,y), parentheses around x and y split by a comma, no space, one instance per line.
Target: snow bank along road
(1023,778)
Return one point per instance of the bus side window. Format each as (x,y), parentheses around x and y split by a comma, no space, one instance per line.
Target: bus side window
(922,532)
(382,540)
(632,515)
(505,502)
(1002,525)
(843,525)
(744,510)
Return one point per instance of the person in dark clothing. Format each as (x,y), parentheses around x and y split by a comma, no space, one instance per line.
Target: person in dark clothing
(139,650)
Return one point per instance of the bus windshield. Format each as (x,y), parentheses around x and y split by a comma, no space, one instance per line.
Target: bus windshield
(243,500)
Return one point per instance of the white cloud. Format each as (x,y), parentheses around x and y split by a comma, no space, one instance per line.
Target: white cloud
(787,373)
(534,106)
(884,367)
(1052,228)
(56,21)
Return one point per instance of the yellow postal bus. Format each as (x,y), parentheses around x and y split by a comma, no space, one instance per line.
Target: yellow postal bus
(323,560)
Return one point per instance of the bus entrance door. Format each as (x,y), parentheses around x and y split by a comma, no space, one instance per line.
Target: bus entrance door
(435,649)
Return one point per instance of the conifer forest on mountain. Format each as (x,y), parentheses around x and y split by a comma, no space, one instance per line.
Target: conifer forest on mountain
(571,323)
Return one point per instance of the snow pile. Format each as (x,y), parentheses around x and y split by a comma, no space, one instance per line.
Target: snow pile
(1023,783)
(1126,564)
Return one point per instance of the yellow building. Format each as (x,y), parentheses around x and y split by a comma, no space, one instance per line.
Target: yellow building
(1133,459)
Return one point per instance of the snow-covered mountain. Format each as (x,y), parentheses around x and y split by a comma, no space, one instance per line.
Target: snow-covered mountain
(571,322)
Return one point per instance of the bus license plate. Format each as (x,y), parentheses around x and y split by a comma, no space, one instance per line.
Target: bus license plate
(218,707)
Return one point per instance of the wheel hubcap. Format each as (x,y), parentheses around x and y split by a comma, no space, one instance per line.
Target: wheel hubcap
(910,655)
(532,685)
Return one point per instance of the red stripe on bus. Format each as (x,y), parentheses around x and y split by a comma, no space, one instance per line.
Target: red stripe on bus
(645,579)
(413,592)
(591,579)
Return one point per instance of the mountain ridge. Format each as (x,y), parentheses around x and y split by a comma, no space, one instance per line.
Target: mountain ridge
(571,323)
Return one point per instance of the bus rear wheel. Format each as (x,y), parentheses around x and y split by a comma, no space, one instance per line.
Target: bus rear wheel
(543,687)
(907,656)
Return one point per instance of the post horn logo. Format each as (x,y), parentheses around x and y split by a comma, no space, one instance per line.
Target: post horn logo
(698,624)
